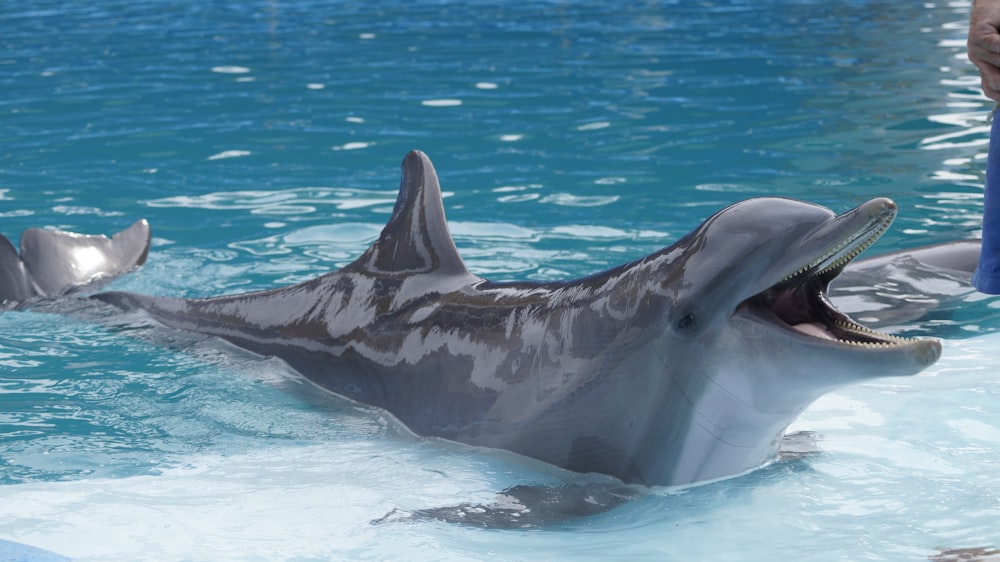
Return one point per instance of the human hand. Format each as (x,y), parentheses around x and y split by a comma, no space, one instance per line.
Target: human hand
(984,45)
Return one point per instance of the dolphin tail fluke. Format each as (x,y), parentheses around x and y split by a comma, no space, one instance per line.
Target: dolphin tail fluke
(52,263)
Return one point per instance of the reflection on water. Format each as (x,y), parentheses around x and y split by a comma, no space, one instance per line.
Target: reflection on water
(297,201)
(500,251)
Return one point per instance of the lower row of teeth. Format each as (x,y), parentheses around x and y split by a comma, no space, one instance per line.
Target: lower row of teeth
(856,328)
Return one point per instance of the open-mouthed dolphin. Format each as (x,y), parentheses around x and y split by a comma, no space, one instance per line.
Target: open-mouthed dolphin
(682,366)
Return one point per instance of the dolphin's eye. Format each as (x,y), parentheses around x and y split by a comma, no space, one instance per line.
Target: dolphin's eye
(686,322)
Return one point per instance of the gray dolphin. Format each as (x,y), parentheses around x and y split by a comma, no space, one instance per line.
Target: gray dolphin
(683,366)
(916,291)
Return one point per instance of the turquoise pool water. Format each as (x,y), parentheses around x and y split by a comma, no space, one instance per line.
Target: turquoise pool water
(262,141)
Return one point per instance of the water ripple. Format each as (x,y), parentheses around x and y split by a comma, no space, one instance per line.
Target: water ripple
(302,200)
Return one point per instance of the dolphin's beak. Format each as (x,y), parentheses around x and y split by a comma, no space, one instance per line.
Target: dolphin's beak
(799,303)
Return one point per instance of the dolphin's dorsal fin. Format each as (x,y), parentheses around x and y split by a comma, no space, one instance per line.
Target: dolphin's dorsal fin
(416,239)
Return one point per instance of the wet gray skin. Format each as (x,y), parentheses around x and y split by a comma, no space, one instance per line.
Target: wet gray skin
(686,365)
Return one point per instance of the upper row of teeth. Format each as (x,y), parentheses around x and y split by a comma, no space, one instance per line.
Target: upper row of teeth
(868,241)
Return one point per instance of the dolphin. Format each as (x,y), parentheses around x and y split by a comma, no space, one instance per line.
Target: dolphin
(916,291)
(683,366)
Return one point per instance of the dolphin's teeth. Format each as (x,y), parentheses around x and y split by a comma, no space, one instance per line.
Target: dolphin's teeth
(782,298)
(871,345)
(863,243)
(886,340)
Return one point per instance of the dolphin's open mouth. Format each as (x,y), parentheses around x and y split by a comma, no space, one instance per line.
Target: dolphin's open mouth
(800,300)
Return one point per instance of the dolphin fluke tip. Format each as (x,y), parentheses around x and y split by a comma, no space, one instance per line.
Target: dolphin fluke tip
(52,263)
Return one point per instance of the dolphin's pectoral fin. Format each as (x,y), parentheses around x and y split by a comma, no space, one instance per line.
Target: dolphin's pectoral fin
(53,263)
(416,238)
(525,506)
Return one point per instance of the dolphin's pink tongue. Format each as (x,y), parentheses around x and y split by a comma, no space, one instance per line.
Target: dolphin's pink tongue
(814,329)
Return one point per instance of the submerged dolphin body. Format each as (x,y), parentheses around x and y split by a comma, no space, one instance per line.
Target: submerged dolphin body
(683,366)
(916,291)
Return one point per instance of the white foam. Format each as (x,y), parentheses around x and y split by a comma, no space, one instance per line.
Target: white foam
(230,69)
(353,146)
(448,102)
(229,154)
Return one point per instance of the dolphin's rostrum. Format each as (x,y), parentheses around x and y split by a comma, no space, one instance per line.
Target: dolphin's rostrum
(683,366)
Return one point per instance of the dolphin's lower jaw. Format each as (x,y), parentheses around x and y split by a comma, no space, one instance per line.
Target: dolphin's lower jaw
(804,316)
(833,362)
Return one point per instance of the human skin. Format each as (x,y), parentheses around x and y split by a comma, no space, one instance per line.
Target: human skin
(984,45)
